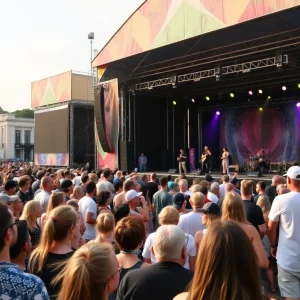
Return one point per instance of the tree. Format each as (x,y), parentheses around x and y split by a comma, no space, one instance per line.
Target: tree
(2,111)
(24,113)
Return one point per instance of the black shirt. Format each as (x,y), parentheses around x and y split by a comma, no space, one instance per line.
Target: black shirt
(35,186)
(271,192)
(25,197)
(206,152)
(161,281)
(49,272)
(181,159)
(254,214)
(152,188)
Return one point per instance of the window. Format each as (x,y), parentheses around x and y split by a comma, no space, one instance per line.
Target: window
(18,137)
(27,136)
(2,137)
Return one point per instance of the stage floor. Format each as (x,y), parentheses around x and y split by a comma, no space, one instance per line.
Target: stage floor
(242,176)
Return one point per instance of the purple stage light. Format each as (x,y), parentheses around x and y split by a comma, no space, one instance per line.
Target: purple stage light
(250,93)
(298,104)
(218,113)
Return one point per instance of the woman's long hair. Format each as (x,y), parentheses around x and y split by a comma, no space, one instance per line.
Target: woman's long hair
(264,203)
(56,228)
(56,199)
(226,267)
(233,208)
(28,213)
(87,272)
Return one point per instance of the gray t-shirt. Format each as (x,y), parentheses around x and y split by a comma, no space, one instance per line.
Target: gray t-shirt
(161,199)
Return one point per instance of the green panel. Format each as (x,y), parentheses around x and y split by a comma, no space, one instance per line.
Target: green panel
(49,97)
(186,22)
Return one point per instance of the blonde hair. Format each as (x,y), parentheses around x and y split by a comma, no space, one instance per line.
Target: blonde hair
(105,222)
(87,272)
(264,203)
(56,228)
(56,199)
(223,247)
(197,200)
(169,215)
(28,213)
(195,188)
(233,208)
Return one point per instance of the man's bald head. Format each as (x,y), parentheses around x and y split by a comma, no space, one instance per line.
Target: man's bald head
(47,184)
(229,187)
(277,179)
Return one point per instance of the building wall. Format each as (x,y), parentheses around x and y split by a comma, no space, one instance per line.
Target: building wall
(8,126)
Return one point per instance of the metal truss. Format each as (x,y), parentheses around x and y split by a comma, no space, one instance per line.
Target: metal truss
(196,76)
(273,42)
(257,64)
(216,72)
(149,85)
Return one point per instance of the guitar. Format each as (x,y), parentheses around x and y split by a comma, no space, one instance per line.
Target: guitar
(203,157)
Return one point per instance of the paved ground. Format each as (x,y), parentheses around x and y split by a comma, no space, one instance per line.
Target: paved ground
(271,296)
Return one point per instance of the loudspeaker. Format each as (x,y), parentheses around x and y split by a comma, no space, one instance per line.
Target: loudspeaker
(172,171)
(255,174)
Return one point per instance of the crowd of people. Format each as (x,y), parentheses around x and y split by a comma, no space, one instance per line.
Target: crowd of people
(73,234)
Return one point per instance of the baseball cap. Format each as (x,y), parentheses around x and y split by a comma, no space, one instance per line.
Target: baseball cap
(10,184)
(5,197)
(234,180)
(178,200)
(66,184)
(293,173)
(130,195)
(210,208)
(172,185)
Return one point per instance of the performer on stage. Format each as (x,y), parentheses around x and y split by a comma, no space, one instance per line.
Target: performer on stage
(225,161)
(261,159)
(182,162)
(205,160)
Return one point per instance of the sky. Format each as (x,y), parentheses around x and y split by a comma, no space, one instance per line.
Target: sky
(42,38)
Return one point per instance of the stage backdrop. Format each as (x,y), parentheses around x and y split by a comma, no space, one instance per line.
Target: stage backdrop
(277,131)
(107,120)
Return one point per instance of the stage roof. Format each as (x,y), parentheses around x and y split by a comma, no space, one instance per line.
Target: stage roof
(158,23)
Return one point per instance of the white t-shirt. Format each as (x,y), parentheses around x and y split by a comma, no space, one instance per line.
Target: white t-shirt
(87,204)
(212,197)
(105,186)
(190,223)
(188,192)
(222,190)
(77,180)
(191,249)
(43,197)
(286,210)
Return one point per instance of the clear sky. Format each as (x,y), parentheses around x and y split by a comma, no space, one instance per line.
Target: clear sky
(41,38)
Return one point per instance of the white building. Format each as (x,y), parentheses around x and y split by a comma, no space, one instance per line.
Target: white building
(16,137)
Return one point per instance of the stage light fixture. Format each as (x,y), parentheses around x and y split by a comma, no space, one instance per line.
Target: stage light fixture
(231,95)
(284,88)
(269,97)
(193,100)
(260,109)
(298,104)
(218,113)
(260,91)
(298,85)
(207,98)
(174,103)
(250,93)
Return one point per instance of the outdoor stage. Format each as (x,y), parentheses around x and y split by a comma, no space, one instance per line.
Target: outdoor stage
(217,176)
(227,77)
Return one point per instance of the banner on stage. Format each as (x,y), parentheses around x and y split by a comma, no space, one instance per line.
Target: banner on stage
(192,159)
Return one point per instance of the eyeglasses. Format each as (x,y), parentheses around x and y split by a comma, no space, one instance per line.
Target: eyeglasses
(15,223)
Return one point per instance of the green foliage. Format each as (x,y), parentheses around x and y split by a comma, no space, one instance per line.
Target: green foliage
(24,113)
(2,111)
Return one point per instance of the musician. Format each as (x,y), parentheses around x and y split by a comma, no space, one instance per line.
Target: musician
(182,162)
(261,158)
(225,161)
(205,160)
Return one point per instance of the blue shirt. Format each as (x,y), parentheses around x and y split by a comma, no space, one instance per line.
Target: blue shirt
(143,160)
(15,284)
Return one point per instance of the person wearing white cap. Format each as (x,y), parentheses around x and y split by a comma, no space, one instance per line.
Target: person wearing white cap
(285,213)
(137,205)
